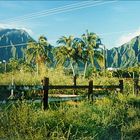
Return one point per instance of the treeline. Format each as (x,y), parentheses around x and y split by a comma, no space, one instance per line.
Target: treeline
(73,53)
(132,72)
(76,55)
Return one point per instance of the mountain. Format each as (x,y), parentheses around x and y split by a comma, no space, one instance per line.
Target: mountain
(8,39)
(127,55)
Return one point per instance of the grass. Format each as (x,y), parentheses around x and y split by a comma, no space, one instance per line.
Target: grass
(109,118)
(57,77)
(113,117)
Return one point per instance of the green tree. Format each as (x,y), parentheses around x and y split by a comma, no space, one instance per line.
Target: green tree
(13,64)
(90,45)
(38,53)
(65,51)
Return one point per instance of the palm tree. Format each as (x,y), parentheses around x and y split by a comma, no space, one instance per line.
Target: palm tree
(37,52)
(90,45)
(66,52)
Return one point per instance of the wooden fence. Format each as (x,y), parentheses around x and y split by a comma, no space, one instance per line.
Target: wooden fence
(46,87)
(136,86)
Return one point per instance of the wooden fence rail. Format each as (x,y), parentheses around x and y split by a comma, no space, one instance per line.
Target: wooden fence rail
(46,87)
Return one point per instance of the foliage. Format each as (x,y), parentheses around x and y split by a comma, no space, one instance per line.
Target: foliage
(126,73)
(38,53)
(107,118)
(19,64)
(127,55)
(72,51)
(66,52)
(89,43)
(115,116)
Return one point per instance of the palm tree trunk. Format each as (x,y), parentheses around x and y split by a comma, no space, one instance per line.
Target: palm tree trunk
(85,69)
(92,60)
(37,69)
(72,69)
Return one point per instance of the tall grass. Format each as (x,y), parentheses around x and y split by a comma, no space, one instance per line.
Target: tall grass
(56,77)
(109,118)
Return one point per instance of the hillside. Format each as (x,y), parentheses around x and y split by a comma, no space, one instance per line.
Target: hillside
(126,55)
(9,37)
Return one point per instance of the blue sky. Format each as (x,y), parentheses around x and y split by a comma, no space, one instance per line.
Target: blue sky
(115,22)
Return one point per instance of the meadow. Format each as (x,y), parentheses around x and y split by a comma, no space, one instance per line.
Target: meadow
(113,117)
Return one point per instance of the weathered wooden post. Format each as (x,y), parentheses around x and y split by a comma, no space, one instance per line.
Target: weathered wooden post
(46,91)
(121,85)
(74,80)
(74,83)
(90,89)
(12,90)
(136,81)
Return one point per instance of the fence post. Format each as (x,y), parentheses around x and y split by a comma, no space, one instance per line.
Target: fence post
(74,83)
(121,85)
(12,90)
(90,89)
(46,91)
(136,86)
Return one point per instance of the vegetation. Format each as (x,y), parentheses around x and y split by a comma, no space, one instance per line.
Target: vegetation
(108,118)
(114,116)
(77,53)
(127,73)
(66,52)
(38,53)
(125,56)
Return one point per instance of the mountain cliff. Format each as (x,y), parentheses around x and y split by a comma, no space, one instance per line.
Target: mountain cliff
(8,39)
(127,55)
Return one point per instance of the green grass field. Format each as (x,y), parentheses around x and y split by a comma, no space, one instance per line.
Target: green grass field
(110,118)
(114,117)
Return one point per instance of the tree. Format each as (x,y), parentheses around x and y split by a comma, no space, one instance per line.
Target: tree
(74,50)
(13,64)
(66,52)
(90,44)
(38,53)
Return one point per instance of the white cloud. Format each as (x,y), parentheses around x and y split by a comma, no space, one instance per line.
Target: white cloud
(127,37)
(14,26)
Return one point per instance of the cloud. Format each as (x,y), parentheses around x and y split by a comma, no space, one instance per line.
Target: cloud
(13,26)
(127,37)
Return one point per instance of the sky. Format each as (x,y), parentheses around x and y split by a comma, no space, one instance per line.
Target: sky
(116,22)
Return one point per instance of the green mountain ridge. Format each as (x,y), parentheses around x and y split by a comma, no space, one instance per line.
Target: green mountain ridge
(127,55)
